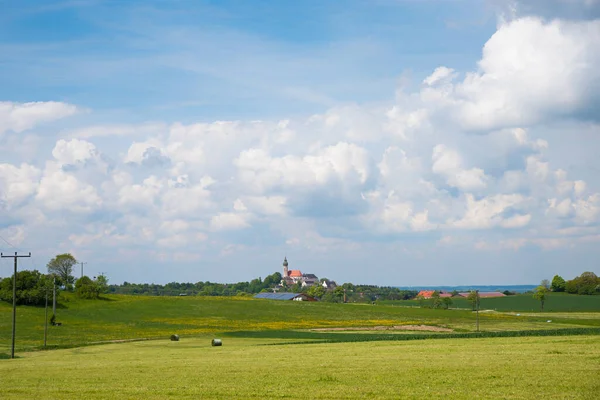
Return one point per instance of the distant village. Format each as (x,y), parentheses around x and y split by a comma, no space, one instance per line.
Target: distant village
(295,276)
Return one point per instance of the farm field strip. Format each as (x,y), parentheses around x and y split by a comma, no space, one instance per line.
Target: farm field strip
(491,368)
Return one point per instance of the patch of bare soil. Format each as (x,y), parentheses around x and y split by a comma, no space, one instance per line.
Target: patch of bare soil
(388,328)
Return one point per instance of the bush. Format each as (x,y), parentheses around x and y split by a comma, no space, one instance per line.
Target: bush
(32,287)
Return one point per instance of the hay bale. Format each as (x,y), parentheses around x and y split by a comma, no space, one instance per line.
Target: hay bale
(216,342)
(175,338)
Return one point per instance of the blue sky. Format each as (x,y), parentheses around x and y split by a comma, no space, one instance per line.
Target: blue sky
(395,142)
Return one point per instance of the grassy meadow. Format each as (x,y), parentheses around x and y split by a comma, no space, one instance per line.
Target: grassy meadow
(121,317)
(273,349)
(555,302)
(506,368)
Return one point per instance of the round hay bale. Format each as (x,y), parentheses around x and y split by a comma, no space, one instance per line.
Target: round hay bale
(175,338)
(216,342)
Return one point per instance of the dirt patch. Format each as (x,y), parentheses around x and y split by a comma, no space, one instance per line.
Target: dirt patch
(387,328)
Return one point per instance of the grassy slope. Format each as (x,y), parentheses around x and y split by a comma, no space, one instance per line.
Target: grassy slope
(507,368)
(525,302)
(127,317)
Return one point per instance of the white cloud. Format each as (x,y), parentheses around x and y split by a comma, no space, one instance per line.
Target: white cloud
(344,162)
(19,117)
(448,163)
(17,183)
(61,191)
(229,221)
(74,151)
(488,212)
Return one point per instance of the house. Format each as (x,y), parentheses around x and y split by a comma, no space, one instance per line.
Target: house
(426,294)
(309,280)
(327,284)
(285,296)
(293,276)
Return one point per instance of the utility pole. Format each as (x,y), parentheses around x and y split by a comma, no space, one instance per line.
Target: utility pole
(14,313)
(82,268)
(54,295)
(477,300)
(46,319)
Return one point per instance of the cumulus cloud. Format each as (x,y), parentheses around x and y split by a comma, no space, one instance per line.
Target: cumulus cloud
(17,183)
(19,117)
(531,70)
(337,180)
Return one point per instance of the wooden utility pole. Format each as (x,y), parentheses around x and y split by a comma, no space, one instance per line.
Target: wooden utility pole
(477,301)
(46,320)
(82,268)
(14,313)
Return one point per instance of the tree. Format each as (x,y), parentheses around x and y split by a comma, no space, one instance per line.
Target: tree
(540,294)
(436,300)
(32,288)
(474,299)
(545,283)
(447,302)
(586,283)
(558,284)
(62,267)
(102,283)
(316,291)
(86,288)
(421,300)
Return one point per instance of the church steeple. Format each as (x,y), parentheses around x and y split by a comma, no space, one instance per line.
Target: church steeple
(285,267)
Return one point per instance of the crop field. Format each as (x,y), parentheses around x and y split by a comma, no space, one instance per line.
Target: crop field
(555,302)
(493,368)
(121,317)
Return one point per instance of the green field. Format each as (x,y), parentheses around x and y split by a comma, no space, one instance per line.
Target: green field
(120,317)
(501,368)
(523,302)
(272,350)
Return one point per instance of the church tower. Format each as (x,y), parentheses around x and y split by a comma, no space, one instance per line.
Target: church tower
(285,268)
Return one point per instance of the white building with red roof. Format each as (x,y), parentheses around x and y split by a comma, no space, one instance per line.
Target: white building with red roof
(293,276)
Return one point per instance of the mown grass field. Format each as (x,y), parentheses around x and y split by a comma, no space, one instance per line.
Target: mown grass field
(498,368)
(122,317)
(271,351)
(555,302)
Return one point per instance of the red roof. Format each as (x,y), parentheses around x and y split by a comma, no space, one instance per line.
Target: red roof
(428,293)
(296,273)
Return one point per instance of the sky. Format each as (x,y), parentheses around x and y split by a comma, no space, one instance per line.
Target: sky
(386,142)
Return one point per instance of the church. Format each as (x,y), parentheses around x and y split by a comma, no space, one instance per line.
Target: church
(293,276)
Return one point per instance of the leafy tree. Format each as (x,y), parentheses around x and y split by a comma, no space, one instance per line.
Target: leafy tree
(339,293)
(102,283)
(540,294)
(436,300)
(86,288)
(447,302)
(454,293)
(586,283)
(545,283)
(421,300)
(558,284)
(62,267)
(32,287)
(474,299)
(316,291)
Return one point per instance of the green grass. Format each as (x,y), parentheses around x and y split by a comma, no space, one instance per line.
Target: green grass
(555,302)
(492,368)
(122,317)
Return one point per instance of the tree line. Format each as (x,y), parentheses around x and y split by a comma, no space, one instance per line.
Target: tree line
(33,287)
